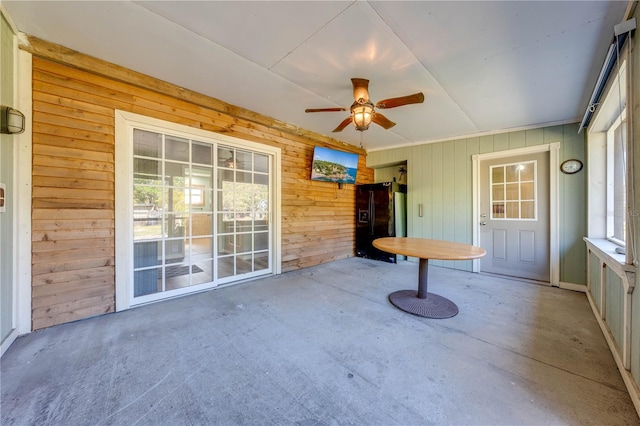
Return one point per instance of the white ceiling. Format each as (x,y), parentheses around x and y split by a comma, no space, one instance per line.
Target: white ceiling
(483,66)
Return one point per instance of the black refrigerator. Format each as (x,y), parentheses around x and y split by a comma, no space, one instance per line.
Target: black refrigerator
(380,212)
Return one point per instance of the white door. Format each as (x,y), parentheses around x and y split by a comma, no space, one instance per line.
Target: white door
(514,216)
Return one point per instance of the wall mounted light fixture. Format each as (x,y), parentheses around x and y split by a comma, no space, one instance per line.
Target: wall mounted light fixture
(11,120)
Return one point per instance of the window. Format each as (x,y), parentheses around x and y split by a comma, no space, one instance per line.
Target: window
(513,191)
(616,180)
(607,166)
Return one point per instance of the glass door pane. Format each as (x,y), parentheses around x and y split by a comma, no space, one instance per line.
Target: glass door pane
(201,214)
(243,218)
(513,191)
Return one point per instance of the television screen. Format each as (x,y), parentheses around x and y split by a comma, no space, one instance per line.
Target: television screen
(331,165)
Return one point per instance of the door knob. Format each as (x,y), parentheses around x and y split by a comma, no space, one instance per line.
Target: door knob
(483,223)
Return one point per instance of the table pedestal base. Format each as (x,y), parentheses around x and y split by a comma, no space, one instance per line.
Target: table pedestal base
(433,306)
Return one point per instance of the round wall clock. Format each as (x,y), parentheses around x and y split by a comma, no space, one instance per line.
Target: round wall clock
(571,166)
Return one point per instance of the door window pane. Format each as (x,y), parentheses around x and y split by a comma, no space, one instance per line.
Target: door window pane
(261,241)
(497,174)
(176,149)
(146,171)
(147,144)
(226,266)
(244,160)
(202,153)
(261,163)
(513,212)
(527,210)
(176,174)
(513,191)
(527,191)
(243,197)
(260,261)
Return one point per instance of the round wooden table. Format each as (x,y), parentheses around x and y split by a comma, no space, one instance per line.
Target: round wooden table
(421,302)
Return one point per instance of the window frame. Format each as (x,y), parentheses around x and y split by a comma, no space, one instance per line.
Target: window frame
(611,106)
(619,122)
(125,122)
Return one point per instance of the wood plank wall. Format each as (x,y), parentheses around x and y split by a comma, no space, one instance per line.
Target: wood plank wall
(73,182)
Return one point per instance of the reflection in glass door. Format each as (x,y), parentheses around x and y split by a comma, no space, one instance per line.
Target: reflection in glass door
(243,212)
(175,203)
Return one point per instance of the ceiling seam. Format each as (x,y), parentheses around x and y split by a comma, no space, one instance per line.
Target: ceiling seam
(426,67)
(196,33)
(311,36)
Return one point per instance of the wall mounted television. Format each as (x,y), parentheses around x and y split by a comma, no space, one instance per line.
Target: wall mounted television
(331,165)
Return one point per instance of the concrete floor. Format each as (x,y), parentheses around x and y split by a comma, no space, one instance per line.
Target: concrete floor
(323,346)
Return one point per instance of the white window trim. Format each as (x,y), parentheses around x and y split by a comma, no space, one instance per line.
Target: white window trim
(124,122)
(22,300)
(610,218)
(609,110)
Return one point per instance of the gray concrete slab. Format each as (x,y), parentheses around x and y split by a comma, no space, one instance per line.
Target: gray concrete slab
(323,346)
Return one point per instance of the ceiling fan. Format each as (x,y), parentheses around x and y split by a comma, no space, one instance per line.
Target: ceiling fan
(362,109)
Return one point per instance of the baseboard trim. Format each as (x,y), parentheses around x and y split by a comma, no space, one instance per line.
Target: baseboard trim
(627,377)
(574,287)
(8,341)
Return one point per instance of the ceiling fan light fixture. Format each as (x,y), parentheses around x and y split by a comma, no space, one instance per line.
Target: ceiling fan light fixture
(362,110)
(361,114)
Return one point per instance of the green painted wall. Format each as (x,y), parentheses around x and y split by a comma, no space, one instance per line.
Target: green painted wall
(6,176)
(440,179)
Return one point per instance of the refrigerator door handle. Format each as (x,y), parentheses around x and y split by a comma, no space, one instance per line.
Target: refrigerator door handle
(372,212)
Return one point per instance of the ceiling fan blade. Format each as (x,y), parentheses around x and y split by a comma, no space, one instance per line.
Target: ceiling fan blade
(360,89)
(416,98)
(324,109)
(383,121)
(342,125)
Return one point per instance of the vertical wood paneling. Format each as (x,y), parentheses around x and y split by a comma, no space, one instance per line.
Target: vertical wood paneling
(534,137)
(486,144)
(595,279)
(553,134)
(635,335)
(573,220)
(73,187)
(501,142)
(415,196)
(446,193)
(614,297)
(438,194)
(462,193)
(517,140)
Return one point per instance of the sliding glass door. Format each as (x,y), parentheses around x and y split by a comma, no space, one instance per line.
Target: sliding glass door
(243,212)
(200,214)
